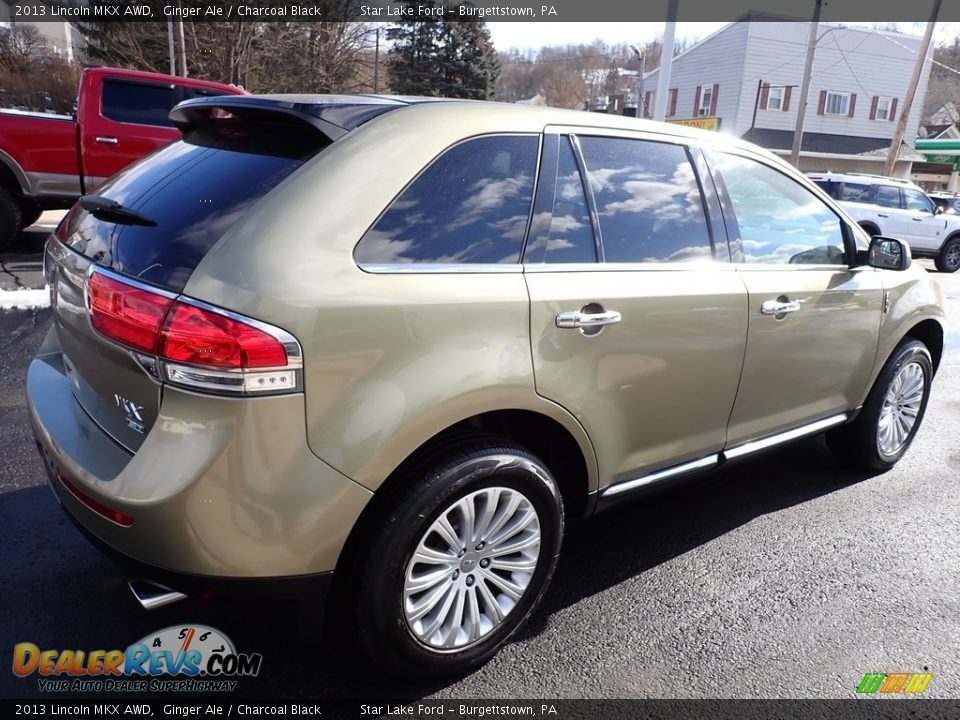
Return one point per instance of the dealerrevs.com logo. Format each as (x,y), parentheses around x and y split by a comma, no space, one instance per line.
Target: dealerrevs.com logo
(894,683)
(192,658)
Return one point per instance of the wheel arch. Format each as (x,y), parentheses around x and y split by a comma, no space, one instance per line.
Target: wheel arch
(930,333)
(572,467)
(12,177)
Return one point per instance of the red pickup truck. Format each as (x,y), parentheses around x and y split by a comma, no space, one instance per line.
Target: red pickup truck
(48,161)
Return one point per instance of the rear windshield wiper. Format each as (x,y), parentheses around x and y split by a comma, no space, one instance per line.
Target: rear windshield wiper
(111,211)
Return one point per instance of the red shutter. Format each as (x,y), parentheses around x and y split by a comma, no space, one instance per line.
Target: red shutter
(893,110)
(646,104)
(764,95)
(672,110)
(696,101)
(786,98)
(873,107)
(713,99)
(853,104)
(821,106)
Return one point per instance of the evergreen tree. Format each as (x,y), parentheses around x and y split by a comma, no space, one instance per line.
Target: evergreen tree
(443,58)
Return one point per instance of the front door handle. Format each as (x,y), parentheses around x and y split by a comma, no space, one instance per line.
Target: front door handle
(578,319)
(882,215)
(107,140)
(919,219)
(776,307)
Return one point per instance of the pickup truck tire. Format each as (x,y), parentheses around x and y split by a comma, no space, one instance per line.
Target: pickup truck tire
(892,413)
(948,260)
(30,212)
(10,219)
(872,230)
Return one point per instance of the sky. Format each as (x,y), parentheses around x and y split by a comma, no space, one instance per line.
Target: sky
(517,35)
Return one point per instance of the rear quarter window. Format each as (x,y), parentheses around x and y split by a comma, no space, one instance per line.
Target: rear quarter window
(139,103)
(470,205)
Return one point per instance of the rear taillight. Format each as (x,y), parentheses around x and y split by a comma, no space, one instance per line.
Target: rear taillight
(190,343)
(126,314)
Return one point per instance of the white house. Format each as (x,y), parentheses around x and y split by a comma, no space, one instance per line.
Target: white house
(745,79)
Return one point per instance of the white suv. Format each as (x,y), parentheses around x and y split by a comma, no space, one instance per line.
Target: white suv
(897,208)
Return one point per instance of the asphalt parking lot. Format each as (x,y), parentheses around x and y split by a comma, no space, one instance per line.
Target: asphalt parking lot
(778,577)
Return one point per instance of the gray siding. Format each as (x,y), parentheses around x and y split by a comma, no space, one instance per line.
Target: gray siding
(848,59)
(718,59)
(852,60)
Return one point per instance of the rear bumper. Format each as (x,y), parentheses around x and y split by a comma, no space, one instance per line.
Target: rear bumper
(223,493)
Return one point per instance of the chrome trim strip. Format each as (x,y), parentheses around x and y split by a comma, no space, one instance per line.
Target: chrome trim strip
(433,269)
(627,485)
(126,280)
(711,265)
(809,429)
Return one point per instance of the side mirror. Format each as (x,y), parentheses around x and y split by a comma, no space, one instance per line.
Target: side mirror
(888,254)
(938,210)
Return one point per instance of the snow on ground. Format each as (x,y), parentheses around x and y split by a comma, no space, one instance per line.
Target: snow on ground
(24,298)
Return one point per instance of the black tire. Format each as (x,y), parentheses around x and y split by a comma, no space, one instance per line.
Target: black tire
(9,219)
(468,472)
(30,212)
(948,260)
(872,230)
(858,444)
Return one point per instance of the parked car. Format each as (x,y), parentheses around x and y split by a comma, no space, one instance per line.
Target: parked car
(900,209)
(948,201)
(47,161)
(389,348)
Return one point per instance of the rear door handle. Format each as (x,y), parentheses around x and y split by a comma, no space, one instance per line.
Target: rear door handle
(577,319)
(107,140)
(919,219)
(775,307)
(882,215)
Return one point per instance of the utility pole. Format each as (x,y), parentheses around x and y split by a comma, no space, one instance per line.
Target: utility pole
(805,86)
(173,55)
(638,85)
(183,46)
(376,63)
(666,62)
(897,140)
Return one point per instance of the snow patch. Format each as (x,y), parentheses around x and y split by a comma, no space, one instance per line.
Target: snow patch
(24,298)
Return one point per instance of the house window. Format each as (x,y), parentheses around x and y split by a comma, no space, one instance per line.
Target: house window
(775,98)
(883,108)
(837,103)
(706,101)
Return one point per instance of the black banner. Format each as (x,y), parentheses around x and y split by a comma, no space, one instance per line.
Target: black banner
(467,10)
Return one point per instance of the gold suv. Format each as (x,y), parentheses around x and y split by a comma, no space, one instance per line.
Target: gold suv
(389,347)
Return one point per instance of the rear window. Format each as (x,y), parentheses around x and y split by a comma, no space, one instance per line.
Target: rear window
(195,190)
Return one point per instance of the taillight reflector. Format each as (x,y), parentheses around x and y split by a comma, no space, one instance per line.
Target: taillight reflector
(197,336)
(126,314)
(120,518)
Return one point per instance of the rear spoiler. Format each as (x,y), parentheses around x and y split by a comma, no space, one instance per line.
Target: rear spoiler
(331,115)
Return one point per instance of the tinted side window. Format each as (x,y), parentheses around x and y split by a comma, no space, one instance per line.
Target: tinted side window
(569,238)
(854,192)
(916,200)
(779,220)
(469,206)
(133,102)
(648,201)
(888,197)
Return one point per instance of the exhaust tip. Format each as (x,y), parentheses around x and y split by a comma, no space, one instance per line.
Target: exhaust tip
(151,595)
